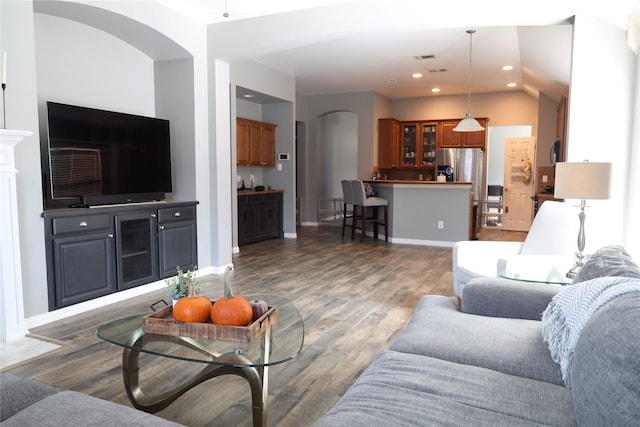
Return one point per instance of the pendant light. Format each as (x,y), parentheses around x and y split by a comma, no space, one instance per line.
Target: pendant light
(469,124)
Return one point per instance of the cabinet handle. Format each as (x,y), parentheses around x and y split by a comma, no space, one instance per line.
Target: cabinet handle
(153,215)
(177,214)
(110,235)
(162,227)
(83,224)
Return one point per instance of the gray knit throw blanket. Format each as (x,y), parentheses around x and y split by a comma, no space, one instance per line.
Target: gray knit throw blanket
(571,308)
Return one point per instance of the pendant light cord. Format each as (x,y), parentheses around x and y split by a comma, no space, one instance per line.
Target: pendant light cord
(470,32)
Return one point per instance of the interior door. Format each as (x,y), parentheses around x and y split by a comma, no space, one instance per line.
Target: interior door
(519,188)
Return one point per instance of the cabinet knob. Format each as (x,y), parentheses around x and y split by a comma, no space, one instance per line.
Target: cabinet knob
(83,224)
(110,235)
(177,214)
(162,227)
(153,215)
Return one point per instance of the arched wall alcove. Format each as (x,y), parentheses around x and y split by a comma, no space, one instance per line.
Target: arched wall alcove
(171,73)
(338,151)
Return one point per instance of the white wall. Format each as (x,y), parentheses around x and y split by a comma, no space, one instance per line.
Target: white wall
(70,69)
(17,40)
(600,121)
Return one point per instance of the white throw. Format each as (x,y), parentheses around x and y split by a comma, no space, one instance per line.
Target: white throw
(571,309)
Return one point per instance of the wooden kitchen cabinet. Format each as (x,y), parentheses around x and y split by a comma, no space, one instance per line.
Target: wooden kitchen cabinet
(451,139)
(242,142)
(388,143)
(418,144)
(256,143)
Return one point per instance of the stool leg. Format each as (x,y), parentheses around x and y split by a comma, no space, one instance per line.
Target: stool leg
(354,222)
(386,224)
(344,217)
(364,223)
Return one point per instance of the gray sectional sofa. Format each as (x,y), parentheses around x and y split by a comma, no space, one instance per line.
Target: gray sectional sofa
(488,364)
(29,403)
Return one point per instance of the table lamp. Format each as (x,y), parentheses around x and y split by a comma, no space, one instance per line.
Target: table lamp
(585,181)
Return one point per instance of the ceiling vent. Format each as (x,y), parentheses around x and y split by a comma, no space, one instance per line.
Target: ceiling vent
(420,57)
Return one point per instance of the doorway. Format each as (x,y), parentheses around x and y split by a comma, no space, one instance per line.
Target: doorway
(492,208)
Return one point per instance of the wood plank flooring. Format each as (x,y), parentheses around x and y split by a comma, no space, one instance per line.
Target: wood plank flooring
(355,298)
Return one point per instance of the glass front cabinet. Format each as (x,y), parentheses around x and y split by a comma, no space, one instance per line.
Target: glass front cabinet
(418,144)
(429,133)
(409,144)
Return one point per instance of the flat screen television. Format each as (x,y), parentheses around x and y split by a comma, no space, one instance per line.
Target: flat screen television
(98,157)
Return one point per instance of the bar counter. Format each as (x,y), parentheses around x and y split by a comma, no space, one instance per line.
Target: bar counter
(427,213)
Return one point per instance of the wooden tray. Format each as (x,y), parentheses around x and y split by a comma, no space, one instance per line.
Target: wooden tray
(162,322)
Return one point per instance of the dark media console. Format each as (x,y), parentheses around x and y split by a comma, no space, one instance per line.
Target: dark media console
(99,251)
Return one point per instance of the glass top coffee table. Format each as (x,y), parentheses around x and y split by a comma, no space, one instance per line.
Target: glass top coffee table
(281,342)
(550,269)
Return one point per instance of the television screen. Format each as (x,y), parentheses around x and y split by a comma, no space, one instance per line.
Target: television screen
(102,157)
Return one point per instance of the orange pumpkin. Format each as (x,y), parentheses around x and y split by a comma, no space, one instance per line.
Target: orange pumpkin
(231,310)
(192,308)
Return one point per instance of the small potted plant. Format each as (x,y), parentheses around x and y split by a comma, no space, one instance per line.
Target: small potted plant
(177,285)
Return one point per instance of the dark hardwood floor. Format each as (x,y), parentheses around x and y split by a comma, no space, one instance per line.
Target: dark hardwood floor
(355,298)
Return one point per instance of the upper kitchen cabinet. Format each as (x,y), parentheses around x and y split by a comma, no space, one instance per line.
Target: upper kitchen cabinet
(242,144)
(406,144)
(429,140)
(409,144)
(418,144)
(256,143)
(450,139)
(388,143)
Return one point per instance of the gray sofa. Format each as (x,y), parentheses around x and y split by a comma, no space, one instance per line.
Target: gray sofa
(29,403)
(488,364)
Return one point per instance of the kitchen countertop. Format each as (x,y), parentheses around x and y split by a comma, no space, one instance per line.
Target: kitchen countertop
(402,181)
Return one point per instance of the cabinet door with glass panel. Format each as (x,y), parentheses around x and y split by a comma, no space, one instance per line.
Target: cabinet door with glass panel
(409,155)
(428,143)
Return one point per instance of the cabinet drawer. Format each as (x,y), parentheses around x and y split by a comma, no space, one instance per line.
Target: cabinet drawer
(81,224)
(184,213)
(271,197)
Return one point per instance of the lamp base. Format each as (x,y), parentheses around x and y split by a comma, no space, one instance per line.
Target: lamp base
(574,271)
(576,268)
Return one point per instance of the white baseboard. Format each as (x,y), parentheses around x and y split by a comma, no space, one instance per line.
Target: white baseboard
(83,307)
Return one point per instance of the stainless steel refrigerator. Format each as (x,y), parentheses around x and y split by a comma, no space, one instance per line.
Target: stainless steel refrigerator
(463,164)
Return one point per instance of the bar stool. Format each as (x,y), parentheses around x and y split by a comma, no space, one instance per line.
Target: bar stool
(347,197)
(360,204)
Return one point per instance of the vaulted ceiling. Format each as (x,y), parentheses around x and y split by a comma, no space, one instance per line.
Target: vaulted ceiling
(333,46)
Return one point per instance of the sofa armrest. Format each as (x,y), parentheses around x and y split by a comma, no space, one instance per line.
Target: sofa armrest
(507,298)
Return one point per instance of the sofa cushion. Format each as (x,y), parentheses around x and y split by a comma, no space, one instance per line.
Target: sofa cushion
(17,393)
(608,261)
(507,298)
(512,346)
(70,408)
(605,370)
(401,389)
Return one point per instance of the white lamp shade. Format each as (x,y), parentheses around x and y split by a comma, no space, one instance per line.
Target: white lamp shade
(468,124)
(584,180)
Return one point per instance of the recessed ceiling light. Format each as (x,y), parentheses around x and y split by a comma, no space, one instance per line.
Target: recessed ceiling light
(511,84)
(416,75)
(507,68)
(435,90)
(248,95)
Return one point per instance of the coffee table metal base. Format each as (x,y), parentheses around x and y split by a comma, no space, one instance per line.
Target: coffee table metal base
(231,363)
